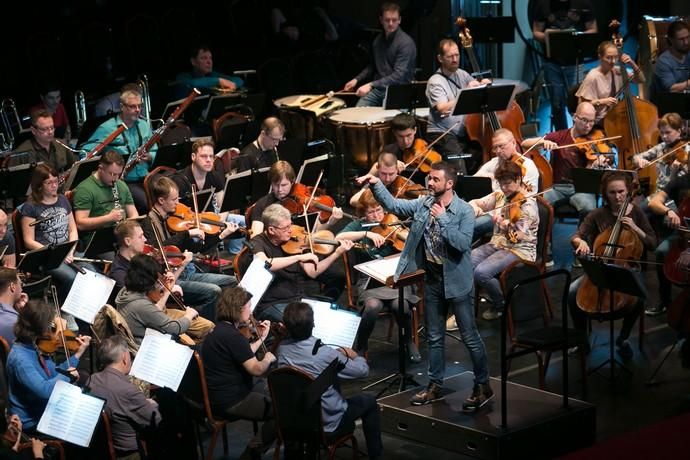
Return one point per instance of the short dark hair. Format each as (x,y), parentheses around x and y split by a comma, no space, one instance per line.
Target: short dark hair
(403,121)
(299,320)
(33,321)
(675,27)
(196,49)
(125,229)
(448,168)
(162,188)
(508,170)
(279,170)
(111,157)
(142,274)
(111,349)
(614,175)
(202,142)
(230,303)
(389,6)
(7,277)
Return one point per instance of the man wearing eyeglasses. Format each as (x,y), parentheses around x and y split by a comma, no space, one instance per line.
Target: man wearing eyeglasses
(42,145)
(137,133)
(263,152)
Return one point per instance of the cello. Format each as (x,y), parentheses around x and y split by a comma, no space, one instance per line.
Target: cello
(634,119)
(481,127)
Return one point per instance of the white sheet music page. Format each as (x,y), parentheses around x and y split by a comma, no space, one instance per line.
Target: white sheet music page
(89,292)
(333,325)
(256,280)
(161,361)
(380,269)
(70,415)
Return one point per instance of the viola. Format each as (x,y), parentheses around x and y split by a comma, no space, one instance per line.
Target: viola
(513,213)
(173,255)
(421,156)
(51,343)
(185,219)
(323,242)
(301,194)
(392,230)
(593,150)
(405,188)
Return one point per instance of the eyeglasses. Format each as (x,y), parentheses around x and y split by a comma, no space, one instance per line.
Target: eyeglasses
(133,106)
(371,212)
(50,182)
(282,229)
(585,120)
(497,147)
(46,129)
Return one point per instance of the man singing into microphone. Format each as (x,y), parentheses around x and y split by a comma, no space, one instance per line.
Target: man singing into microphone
(440,243)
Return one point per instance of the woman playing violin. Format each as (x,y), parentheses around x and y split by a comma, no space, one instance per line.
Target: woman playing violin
(616,186)
(603,83)
(234,373)
(514,236)
(377,298)
(671,131)
(30,375)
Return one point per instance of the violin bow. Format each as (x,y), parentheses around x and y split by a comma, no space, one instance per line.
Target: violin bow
(256,328)
(306,208)
(59,330)
(656,160)
(519,201)
(595,141)
(160,247)
(539,142)
(196,206)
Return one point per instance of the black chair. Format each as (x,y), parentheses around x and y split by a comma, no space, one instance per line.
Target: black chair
(297,412)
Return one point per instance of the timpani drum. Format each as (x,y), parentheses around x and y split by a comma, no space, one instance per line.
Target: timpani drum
(302,113)
(360,133)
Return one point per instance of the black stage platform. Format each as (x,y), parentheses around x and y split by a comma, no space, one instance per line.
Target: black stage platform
(538,426)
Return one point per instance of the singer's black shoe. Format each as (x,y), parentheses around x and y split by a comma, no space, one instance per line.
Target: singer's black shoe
(481,394)
(431,393)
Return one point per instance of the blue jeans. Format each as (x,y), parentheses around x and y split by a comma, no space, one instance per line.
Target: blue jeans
(373,98)
(488,262)
(561,193)
(483,225)
(234,245)
(361,406)
(273,313)
(202,290)
(558,79)
(435,311)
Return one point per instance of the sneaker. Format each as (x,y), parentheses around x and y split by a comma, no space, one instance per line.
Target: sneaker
(624,349)
(576,263)
(481,394)
(451,324)
(655,310)
(430,394)
(491,314)
(413,353)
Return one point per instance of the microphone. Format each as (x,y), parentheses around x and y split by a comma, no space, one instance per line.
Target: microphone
(373,224)
(318,344)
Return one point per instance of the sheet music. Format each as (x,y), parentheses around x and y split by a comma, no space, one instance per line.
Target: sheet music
(333,325)
(89,292)
(256,280)
(70,415)
(161,361)
(380,269)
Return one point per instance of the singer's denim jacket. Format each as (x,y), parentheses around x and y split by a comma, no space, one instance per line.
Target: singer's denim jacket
(457,226)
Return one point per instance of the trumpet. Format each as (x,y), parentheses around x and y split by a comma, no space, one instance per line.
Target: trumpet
(145,98)
(80,109)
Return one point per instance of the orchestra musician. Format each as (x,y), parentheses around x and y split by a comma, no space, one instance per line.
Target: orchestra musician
(671,132)
(263,152)
(602,84)
(375,299)
(9,258)
(234,373)
(439,241)
(42,145)
(665,203)
(31,375)
(292,272)
(563,160)
(616,186)
(393,61)
(102,199)
(165,198)
(672,68)
(386,168)
(12,300)
(137,133)
(51,102)
(201,173)
(561,15)
(202,76)
(514,236)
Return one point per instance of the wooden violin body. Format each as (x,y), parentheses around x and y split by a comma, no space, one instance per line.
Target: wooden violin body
(592,151)
(392,230)
(173,255)
(301,195)
(403,187)
(420,156)
(185,219)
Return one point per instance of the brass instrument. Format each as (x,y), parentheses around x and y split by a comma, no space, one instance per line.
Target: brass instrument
(143,83)
(79,109)
(11,123)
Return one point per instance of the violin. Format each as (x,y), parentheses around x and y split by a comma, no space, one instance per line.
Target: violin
(421,156)
(392,229)
(301,194)
(174,257)
(323,242)
(513,213)
(185,219)
(405,188)
(50,344)
(681,154)
(593,150)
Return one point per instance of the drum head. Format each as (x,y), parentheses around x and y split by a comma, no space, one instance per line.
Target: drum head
(363,115)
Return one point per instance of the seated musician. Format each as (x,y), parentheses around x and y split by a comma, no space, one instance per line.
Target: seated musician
(666,203)
(12,300)
(563,160)
(377,298)
(42,145)
(202,75)
(386,169)
(138,304)
(616,186)
(51,102)
(601,84)
(671,132)
(8,258)
(233,371)
(442,90)
(201,173)
(302,350)
(31,374)
(165,198)
(46,219)
(514,237)
(129,410)
(671,68)
(263,152)
(137,133)
(404,129)
(102,200)
(291,271)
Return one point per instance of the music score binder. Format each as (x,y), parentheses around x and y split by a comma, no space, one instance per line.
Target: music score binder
(335,326)
(160,360)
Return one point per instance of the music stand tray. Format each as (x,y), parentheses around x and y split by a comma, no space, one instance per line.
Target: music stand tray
(407,96)
(100,242)
(260,183)
(237,193)
(194,111)
(46,258)
(299,220)
(311,168)
(484,99)
(80,171)
(222,103)
(471,187)
(177,156)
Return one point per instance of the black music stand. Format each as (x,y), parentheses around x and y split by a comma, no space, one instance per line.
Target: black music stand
(472,187)
(260,183)
(101,241)
(80,171)
(176,156)
(674,102)
(194,112)
(299,220)
(15,180)
(492,29)
(292,151)
(237,193)
(616,279)
(409,96)
(46,258)
(310,170)
(401,377)
(570,47)
(484,99)
(222,103)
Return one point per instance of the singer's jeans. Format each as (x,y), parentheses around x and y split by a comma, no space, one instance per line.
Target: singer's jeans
(558,79)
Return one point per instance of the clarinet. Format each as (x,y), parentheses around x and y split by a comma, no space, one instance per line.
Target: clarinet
(116,197)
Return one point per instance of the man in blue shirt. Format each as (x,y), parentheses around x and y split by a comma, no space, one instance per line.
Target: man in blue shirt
(12,299)
(672,70)
(202,76)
